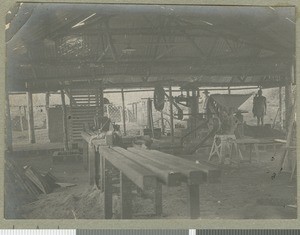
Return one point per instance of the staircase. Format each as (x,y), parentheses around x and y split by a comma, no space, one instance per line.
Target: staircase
(84,105)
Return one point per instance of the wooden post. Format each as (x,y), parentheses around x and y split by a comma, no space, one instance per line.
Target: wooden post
(126,197)
(136,112)
(162,122)
(108,212)
(123,112)
(133,109)
(288,103)
(158,199)
(65,120)
(194,110)
(31,133)
(101,102)
(193,201)
(25,112)
(289,96)
(280,107)
(8,130)
(47,101)
(171,114)
(229,91)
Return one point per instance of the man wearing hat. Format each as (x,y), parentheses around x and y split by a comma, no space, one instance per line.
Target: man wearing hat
(205,104)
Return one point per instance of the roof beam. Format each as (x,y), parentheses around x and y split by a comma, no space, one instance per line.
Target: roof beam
(110,41)
(188,37)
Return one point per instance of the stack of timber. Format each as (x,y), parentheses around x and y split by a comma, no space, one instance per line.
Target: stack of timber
(31,180)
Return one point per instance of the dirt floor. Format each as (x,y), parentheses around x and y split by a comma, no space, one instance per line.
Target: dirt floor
(245,192)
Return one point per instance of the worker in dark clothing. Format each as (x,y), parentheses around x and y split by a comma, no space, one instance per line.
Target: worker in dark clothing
(259,107)
(102,123)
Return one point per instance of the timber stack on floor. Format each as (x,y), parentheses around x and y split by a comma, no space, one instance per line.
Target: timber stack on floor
(149,170)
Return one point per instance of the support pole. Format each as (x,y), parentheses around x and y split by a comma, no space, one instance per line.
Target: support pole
(47,101)
(194,110)
(171,114)
(65,120)
(31,133)
(101,102)
(288,103)
(8,130)
(123,112)
(289,96)
(136,112)
(280,107)
(162,122)
(229,91)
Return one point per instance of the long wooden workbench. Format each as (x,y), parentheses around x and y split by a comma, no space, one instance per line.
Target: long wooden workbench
(147,170)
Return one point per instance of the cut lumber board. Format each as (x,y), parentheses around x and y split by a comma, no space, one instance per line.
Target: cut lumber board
(141,176)
(191,176)
(165,173)
(211,174)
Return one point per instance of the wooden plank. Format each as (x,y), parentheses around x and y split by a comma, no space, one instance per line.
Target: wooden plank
(126,197)
(192,174)
(213,173)
(158,206)
(193,201)
(108,210)
(139,175)
(164,173)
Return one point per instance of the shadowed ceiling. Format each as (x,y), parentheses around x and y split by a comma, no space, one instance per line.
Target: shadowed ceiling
(54,45)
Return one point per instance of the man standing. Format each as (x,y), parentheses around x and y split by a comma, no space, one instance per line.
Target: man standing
(259,107)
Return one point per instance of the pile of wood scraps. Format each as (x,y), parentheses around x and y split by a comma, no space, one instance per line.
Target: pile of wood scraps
(33,181)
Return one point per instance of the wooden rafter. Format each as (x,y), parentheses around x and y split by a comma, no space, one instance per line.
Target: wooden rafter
(110,41)
(188,37)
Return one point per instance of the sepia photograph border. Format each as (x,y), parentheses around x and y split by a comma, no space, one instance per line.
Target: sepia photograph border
(140,224)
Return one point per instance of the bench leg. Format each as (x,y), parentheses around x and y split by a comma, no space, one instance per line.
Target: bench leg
(193,201)
(126,197)
(97,169)
(91,161)
(102,172)
(158,199)
(107,190)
